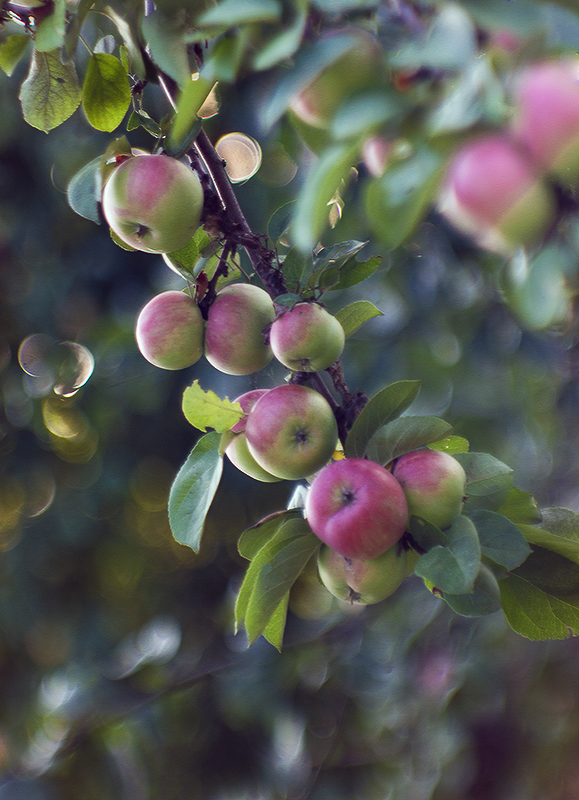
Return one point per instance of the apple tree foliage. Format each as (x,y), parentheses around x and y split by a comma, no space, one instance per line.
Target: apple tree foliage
(441,75)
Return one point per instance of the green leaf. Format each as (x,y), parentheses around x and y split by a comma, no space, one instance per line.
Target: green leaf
(186,124)
(51,92)
(206,410)
(295,266)
(397,202)
(484,599)
(312,209)
(193,490)
(253,539)
(361,114)
(353,272)
(227,56)
(485,474)
(354,315)
(451,445)
(386,405)
(84,190)
(50,33)
(453,567)
(165,39)
(558,531)
(106,93)
(272,572)
(280,221)
(274,629)
(130,38)
(239,12)
(282,46)
(403,435)
(11,51)
(500,539)
(541,598)
(520,507)
(537,288)
(185,260)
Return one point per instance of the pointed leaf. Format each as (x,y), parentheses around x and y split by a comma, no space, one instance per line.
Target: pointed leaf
(541,598)
(500,539)
(275,628)
(84,190)
(130,39)
(206,410)
(403,435)
(253,539)
(353,272)
(451,445)
(280,221)
(453,567)
(353,316)
(295,266)
(165,39)
(11,51)
(106,93)
(51,92)
(485,474)
(558,531)
(186,124)
(386,405)
(193,491)
(520,507)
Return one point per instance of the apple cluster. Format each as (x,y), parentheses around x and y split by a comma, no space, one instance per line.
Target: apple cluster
(499,188)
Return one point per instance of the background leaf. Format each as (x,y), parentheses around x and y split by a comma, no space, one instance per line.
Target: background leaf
(11,51)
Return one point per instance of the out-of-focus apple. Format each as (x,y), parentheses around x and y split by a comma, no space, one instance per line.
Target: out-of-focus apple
(237,451)
(364,581)
(234,338)
(307,338)
(153,203)
(492,193)
(546,117)
(357,508)
(169,331)
(434,484)
(291,431)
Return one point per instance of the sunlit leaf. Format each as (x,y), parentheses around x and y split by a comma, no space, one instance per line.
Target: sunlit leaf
(451,445)
(84,190)
(386,405)
(354,315)
(193,490)
(50,33)
(186,124)
(11,51)
(51,92)
(206,410)
(106,92)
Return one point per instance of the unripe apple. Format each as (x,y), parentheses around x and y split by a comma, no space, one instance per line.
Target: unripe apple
(357,508)
(364,581)
(153,203)
(491,192)
(355,70)
(237,451)
(307,338)
(234,334)
(434,484)
(169,331)
(546,117)
(291,431)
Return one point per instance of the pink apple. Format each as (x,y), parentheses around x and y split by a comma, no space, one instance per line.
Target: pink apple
(434,484)
(365,581)
(169,331)
(234,334)
(153,203)
(307,338)
(492,192)
(546,117)
(237,451)
(291,431)
(357,508)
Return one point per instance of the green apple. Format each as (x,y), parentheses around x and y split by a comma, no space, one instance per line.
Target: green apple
(307,338)
(169,331)
(492,192)
(546,117)
(153,203)
(237,451)
(364,581)
(234,334)
(434,484)
(291,431)
(357,508)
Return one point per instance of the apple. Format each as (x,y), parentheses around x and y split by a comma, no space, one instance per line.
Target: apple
(492,193)
(291,431)
(364,581)
(434,484)
(357,508)
(234,334)
(356,69)
(153,203)
(307,338)
(169,330)
(546,117)
(237,451)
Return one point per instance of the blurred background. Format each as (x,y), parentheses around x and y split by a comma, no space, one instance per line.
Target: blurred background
(121,677)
